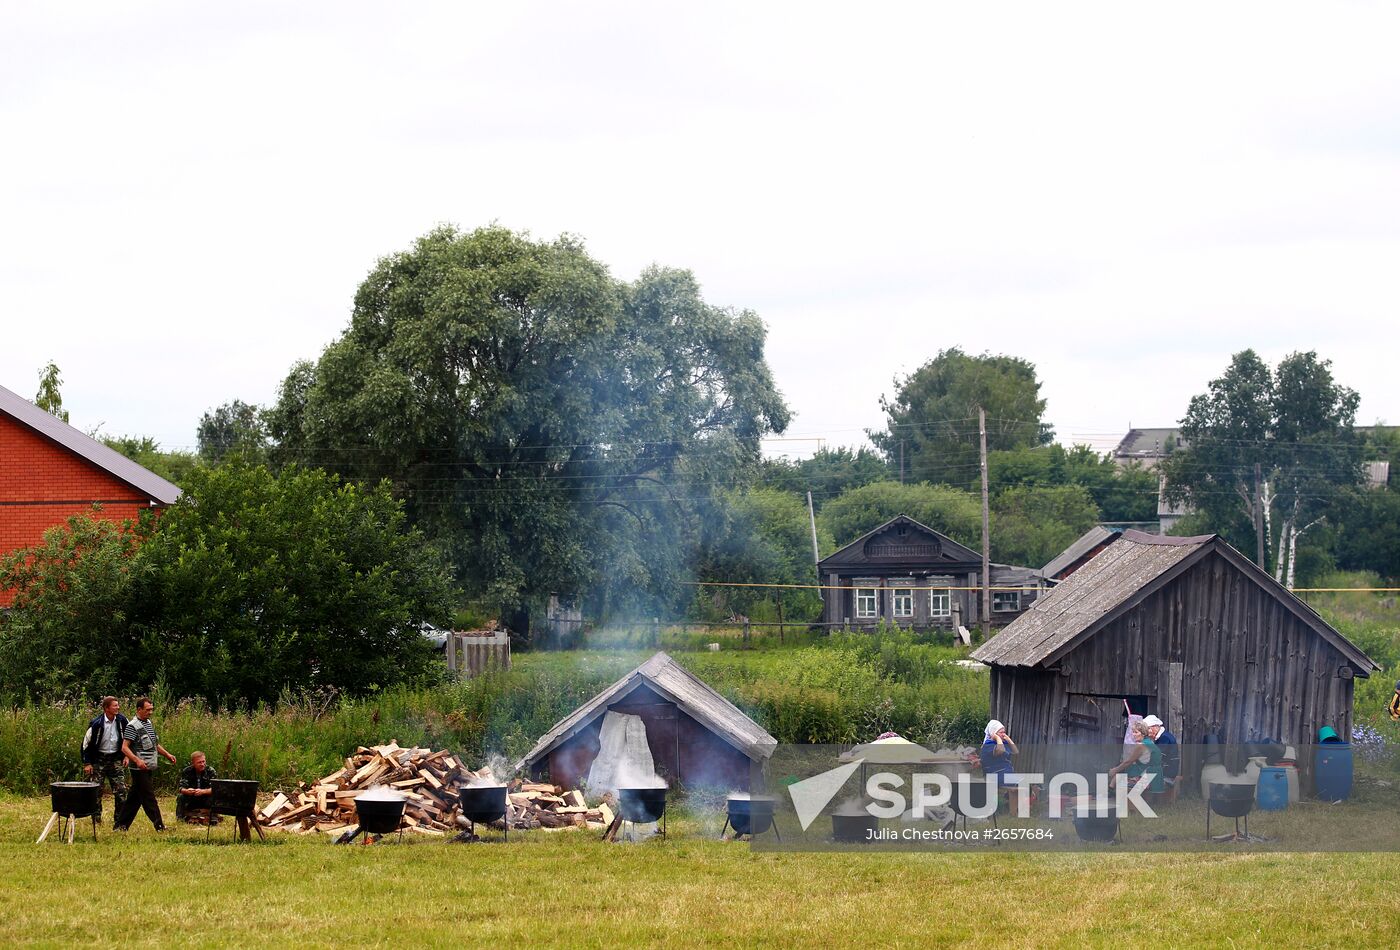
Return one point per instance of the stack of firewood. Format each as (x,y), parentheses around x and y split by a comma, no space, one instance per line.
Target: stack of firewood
(536,805)
(429,782)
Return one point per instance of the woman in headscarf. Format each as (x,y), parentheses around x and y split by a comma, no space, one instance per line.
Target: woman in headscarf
(1142,756)
(996,752)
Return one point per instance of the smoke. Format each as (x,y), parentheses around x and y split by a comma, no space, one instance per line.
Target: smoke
(629,775)
(495,771)
(851,806)
(381,793)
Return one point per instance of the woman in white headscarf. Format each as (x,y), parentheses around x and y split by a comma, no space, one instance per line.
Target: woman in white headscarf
(996,752)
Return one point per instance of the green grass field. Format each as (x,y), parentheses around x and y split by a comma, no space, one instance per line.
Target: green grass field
(569,889)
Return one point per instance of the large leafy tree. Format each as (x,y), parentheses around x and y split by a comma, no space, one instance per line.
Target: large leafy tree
(1295,424)
(549,423)
(235,428)
(932,419)
(759,536)
(1121,494)
(826,473)
(1032,525)
(1367,532)
(952,511)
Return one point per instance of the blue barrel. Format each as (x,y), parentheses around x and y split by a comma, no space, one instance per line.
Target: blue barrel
(1332,771)
(1272,791)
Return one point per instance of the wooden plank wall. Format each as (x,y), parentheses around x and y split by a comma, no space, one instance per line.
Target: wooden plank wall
(471,654)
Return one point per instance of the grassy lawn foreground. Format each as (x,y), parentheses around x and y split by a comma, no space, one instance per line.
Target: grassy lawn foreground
(567,888)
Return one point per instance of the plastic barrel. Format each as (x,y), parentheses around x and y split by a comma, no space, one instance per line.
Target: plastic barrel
(1272,792)
(1332,771)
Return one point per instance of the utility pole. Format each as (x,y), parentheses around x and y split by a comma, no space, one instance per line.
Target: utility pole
(901,461)
(1258,517)
(816,568)
(986,531)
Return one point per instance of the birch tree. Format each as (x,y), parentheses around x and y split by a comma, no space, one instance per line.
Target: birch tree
(1294,426)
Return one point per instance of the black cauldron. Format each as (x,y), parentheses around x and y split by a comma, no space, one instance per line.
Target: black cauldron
(972,796)
(1093,823)
(855,828)
(379,816)
(750,815)
(641,804)
(483,803)
(233,796)
(1231,801)
(76,799)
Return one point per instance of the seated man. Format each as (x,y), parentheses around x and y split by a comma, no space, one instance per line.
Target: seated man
(196,779)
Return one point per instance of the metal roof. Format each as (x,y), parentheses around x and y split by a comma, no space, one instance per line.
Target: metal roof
(1086,542)
(1123,575)
(681,687)
(86,447)
(1147,443)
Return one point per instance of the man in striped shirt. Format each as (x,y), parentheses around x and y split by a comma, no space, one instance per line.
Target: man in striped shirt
(141,746)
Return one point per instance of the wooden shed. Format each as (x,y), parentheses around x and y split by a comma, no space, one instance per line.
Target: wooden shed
(696,736)
(1186,628)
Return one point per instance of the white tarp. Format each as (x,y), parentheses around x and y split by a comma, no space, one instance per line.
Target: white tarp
(624,758)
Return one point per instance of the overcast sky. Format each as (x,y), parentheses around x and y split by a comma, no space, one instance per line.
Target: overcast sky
(1124,195)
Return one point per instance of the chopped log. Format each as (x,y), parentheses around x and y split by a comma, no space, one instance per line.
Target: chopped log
(277,802)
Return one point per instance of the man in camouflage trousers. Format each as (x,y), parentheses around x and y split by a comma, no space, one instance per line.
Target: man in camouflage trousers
(102,751)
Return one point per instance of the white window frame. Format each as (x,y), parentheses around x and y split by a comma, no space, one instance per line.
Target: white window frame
(944,594)
(999,599)
(906,595)
(873,595)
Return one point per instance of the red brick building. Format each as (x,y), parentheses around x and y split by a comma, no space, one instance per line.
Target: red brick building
(50,471)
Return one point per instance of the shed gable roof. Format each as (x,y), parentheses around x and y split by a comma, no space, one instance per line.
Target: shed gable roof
(1122,576)
(854,552)
(680,686)
(86,447)
(1082,545)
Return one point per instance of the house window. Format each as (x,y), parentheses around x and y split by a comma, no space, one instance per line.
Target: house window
(1006,601)
(867,600)
(903,602)
(940,603)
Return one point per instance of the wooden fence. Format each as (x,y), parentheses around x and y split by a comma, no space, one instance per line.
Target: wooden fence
(472,653)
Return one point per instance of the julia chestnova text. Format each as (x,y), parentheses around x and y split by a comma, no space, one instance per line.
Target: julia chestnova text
(957,835)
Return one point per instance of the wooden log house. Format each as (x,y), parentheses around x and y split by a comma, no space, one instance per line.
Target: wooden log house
(908,574)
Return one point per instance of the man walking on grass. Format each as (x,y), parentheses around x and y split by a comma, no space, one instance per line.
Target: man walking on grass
(141,746)
(102,752)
